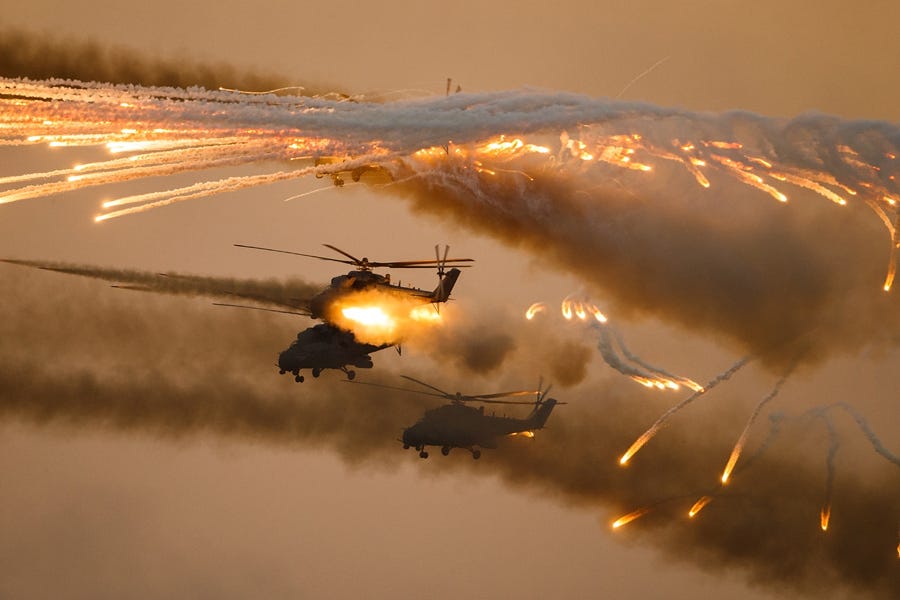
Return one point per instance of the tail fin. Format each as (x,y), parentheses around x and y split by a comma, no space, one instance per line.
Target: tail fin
(442,292)
(541,413)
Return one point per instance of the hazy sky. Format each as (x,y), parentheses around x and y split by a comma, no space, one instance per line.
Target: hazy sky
(207,498)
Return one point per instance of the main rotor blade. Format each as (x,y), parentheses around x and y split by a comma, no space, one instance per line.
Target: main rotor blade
(412,265)
(346,262)
(529,402)
(422,263)
(505,395)
(347,254)
(428,385)
(397,264)
(393,387)
(286,312)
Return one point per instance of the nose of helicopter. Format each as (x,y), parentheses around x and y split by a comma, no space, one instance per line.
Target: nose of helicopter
(286,362)
(408,438)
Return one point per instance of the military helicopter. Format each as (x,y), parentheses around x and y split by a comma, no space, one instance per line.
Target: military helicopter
(364,278)
(372,171)
(323,347)
(457,425)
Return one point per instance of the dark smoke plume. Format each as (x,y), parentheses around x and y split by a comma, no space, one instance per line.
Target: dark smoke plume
(764,523)
(27,54)
(773,281)
(286,294)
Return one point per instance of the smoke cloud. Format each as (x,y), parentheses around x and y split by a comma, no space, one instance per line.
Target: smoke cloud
(156,367)
(36,56)
(774,281)
(285,294)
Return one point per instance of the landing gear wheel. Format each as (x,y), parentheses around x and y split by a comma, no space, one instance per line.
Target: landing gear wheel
(298,378)
(423,454)
(351,375)
(281,372)
(316,372)
(476,454)
(445,450)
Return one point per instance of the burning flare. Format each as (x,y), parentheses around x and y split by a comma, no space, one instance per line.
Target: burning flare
(825,517)
(630,517)
(698,505)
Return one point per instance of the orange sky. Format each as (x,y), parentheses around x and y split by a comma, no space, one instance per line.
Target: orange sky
(107,513)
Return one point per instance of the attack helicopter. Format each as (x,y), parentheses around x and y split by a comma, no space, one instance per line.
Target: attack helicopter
(457,425)
(363,278)
(323,347)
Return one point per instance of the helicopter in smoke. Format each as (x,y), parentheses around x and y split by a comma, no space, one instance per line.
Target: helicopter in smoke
(323,347)
(363,278)
(457,425)
(376,173)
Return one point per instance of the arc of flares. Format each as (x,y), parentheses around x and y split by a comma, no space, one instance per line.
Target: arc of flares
(648,375)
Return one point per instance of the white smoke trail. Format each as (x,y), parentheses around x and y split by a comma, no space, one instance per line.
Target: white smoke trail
(657,425)
(873,439)
(644,373)
(739,446)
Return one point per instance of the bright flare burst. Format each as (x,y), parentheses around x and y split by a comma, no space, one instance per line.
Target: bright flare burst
(382,317)
(825,517)
(698,506)
(630,517)
(534,309)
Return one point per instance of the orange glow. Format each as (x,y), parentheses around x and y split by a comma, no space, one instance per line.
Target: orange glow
(580,312)
(732,460)
(637,445)
(630,517)
(698,505)
(526,434)
(371,316)
(425,313)
(382,316)
(534,309)
(825,517)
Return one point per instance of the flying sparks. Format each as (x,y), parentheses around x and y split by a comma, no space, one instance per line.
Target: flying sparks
(698,506)
(168,131)
(639,370)
(624,520)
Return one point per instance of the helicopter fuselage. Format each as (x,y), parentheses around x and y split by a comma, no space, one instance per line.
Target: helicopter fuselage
(459,426)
